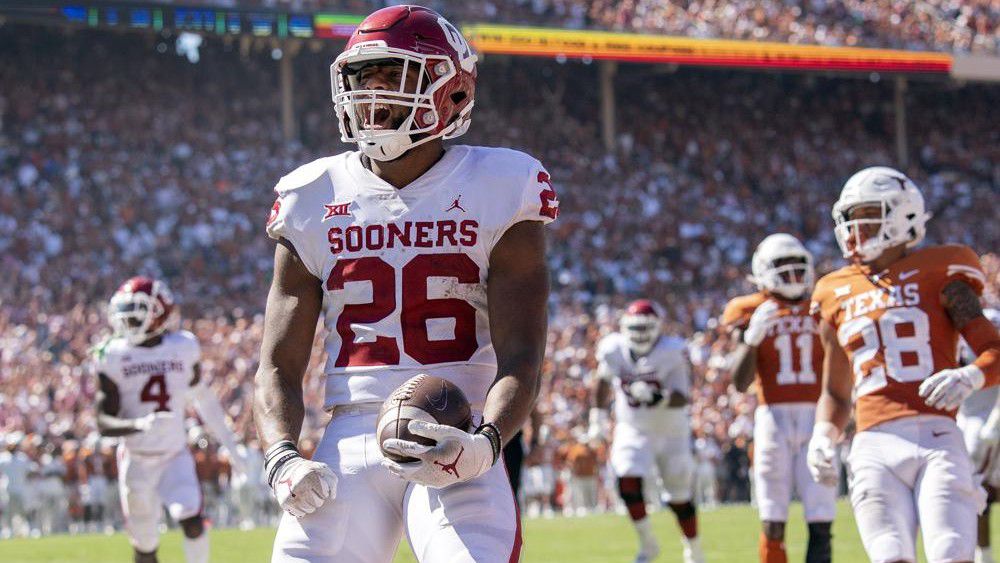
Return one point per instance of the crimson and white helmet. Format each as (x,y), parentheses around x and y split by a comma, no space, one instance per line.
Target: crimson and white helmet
(439,104)
(903,219)
(783,266)
(641,324)
(140,309)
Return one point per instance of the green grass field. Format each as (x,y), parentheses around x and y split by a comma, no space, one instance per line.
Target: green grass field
(728,534)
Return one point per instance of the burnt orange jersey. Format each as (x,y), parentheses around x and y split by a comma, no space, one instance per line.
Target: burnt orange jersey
(790,358)
(893,327)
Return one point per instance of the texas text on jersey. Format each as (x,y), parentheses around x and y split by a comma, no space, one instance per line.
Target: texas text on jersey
(893,327)
(790,358)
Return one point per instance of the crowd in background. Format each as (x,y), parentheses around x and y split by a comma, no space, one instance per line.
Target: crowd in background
(936,25)
(117,157)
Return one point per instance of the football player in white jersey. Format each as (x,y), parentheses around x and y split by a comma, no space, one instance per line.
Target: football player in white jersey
(979,419)
(651,379)
(422,258)
(147,376)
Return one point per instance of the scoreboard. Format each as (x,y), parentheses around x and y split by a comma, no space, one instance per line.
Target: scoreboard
(157,17)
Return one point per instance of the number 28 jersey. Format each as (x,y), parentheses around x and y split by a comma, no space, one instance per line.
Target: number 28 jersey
(404,271)
(152,379)
(894,328)
(790,358)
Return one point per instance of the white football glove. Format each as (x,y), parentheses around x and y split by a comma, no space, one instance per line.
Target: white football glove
(821,454)
(599,423)
(145,423)
(641,391)
(301,486)
(458,455)
(948,388)
(761,321)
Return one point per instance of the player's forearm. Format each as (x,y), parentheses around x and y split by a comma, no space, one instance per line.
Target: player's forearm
(278,408)
(212,414)
(114,427)
(744,362)
(984,341)
(833,409)
(601,393)
(511,400)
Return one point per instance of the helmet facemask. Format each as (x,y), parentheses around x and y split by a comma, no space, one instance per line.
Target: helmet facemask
(641,332)
(360,110)
(879,208)
(134,316)
(790,277)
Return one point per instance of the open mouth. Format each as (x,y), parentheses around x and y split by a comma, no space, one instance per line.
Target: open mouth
(377,116)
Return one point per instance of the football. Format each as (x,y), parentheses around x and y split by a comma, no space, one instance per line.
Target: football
(422,397)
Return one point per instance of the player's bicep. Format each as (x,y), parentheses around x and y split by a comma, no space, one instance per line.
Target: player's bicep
(961,302)
(517,296)
(837,377)
(107,399)
(293,307)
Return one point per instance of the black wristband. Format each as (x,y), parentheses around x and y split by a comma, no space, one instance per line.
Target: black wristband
(277,463)
(278,455)
(490,430)
(279,447)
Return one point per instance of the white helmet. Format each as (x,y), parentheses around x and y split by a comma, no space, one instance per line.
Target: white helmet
(903,219)
(782,265)
(641,323)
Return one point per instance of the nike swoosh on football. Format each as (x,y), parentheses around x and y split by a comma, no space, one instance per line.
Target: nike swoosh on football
(908,275)
(441,402)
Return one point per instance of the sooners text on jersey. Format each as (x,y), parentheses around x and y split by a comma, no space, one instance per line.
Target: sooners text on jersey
(404,270)
(151,379)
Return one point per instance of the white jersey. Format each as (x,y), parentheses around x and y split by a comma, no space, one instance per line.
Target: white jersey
(665,368)
(150,379)
(404,271)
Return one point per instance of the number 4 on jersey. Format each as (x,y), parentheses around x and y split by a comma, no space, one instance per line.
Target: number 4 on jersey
(155,391)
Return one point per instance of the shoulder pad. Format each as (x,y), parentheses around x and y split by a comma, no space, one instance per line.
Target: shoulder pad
(307,173)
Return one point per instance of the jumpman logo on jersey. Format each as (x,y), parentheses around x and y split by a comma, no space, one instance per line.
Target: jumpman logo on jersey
(456,205)
(452,467)
(288,482)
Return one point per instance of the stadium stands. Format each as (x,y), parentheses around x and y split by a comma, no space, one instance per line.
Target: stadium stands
(119,157)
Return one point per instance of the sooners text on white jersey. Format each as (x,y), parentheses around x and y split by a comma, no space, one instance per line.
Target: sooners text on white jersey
(404,271)
(151,379)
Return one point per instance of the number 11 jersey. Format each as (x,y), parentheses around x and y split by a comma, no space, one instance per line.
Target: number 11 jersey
(894,328)
(404,271)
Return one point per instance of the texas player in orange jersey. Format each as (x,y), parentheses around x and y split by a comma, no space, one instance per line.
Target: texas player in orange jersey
(892,318)
(777,344)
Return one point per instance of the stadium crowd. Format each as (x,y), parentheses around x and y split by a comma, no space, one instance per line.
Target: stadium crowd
(118,157)
(936,25)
